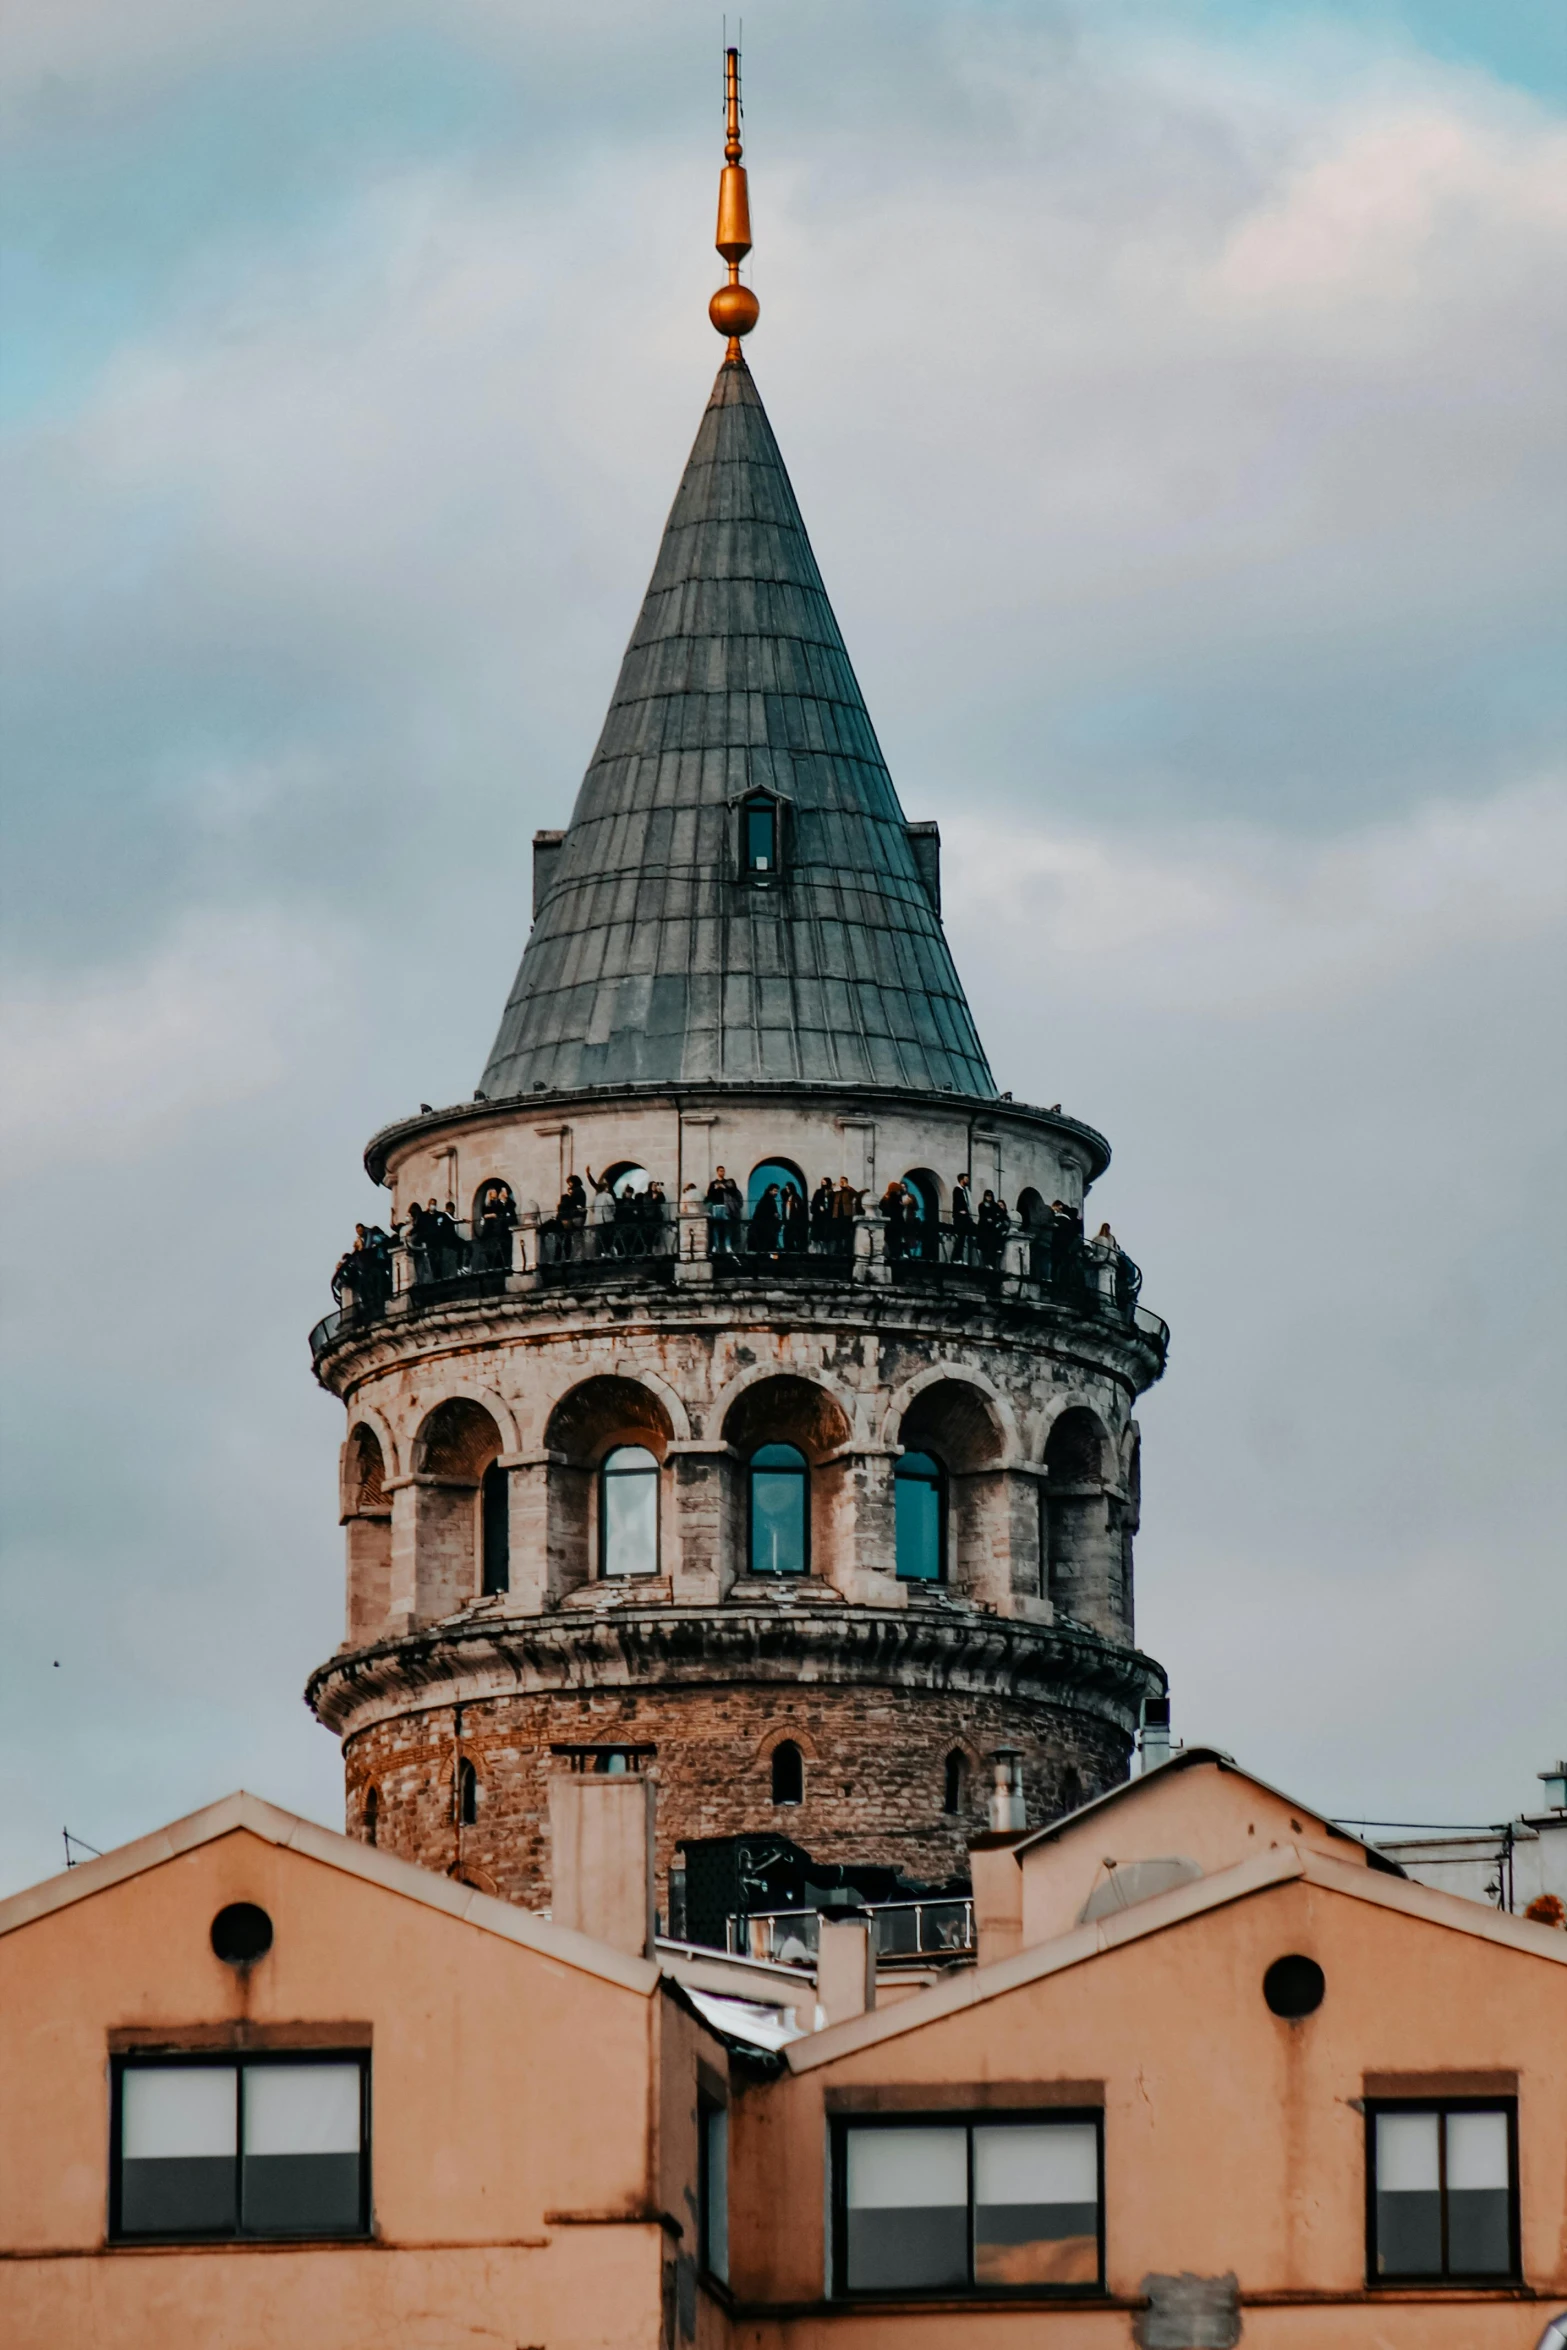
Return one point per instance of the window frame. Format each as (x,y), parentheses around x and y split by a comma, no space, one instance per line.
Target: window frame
(494,1531)
(942,1576)
(1439,2279)
(709,2110)
(761,876)
(778,1574)
(239,2062)
(969,2120)
(601,1476)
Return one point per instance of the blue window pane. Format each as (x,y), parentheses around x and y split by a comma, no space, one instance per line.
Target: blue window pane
(778,1511)
(917,1500)
(760,830)
(629,1503)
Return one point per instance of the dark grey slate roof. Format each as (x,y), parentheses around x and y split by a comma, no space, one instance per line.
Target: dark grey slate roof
(650,960)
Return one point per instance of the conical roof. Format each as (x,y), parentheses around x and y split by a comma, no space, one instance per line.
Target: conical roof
(652,960)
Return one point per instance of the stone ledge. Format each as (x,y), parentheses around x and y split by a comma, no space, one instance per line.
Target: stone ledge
(670,1648)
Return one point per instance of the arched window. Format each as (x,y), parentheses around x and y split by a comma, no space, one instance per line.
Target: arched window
(921,1234)
(372,1813)
(628,1512)
(495,1509)
(788,1773)
(467,1794)
(955,1792)
(919,1487)
(780,1510)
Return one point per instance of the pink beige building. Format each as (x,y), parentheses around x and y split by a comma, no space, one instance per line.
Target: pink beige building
(1217,2074)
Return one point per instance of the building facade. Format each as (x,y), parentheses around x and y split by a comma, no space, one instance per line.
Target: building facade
(811,1500)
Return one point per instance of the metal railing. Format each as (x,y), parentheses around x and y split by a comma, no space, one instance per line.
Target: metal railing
(899,1929)
(651,1243)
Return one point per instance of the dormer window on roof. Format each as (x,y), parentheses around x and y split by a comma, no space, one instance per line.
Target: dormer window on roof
(761,838)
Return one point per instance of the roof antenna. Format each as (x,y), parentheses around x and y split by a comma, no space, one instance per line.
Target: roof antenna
(734,309)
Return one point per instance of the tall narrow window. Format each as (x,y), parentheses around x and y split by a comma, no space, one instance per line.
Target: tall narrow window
(1444,2193)
(780,1513)
(788,1773)
(759,835)
(495,1512)
(955,1794)
(920,1508)
(714,2189)
(262,2146)
(628,1512)
(467,1794)
(372,1814)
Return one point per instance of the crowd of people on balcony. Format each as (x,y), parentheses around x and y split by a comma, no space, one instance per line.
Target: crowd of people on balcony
(608,1216)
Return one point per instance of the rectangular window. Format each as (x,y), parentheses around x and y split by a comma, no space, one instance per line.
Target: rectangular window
(247,2146)
(1442,2195)
(761,845)
(714,2189)
(1006,2204)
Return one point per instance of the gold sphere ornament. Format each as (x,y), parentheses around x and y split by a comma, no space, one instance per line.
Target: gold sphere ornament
(734,310)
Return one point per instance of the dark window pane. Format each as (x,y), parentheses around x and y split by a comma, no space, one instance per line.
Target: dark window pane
(496,1507)
(1409,2201)
(1036,2196)
(907,2198)
(917,1511)
(178,2195)
(759,831)
(301,2194)
(302,2133)
(1409,2235)
(1478,2201)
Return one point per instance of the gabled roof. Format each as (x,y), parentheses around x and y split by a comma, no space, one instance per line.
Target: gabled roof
(650,961)
(248,1813)
(1282,1865)
(1185,1759)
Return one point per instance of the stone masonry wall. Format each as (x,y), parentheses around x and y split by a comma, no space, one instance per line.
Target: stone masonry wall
(875,1771)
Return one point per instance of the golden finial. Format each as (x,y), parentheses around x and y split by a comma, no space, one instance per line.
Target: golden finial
(734,309)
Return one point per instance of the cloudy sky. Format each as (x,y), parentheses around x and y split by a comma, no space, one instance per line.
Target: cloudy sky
(1174,395)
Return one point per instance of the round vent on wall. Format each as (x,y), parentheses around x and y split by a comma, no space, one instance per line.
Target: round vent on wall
(1293,1986)
(241,1933)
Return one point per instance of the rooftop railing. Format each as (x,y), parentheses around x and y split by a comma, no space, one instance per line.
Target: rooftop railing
(446,1265)
(899,1929)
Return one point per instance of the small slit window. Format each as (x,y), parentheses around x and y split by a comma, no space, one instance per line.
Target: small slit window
(467,1794)
(495,1512)
(954,1797)
(788,1773)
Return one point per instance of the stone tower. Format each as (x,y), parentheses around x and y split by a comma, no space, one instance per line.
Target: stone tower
(812,1521)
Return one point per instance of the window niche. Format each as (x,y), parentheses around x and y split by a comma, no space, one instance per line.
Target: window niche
(786,1432)
(788,1773)
(988,2207)
(609,1437)
(761,840)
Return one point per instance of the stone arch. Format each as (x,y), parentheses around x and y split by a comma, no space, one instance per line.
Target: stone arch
(606,1409)
(464,1391)
(955,1420)
(784,1408)
(905,1397)
(641,1375)
(776,1733)
(723,1411)
(1030,1208)
(962,1780)
(595,1417)
(367,1529)
(366,1415)
(460,1534)
(1084,1533)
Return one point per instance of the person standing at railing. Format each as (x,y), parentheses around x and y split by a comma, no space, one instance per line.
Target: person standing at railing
(845,1207)
(766,1224)
(962,1220)
(992,1222)
(720,1234)
(821,1216)
(796,1222)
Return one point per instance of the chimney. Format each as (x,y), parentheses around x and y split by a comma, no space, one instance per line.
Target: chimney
(997,1880)
(1153,1740)
(845,1968)
(601,1838)
(1007,1808)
